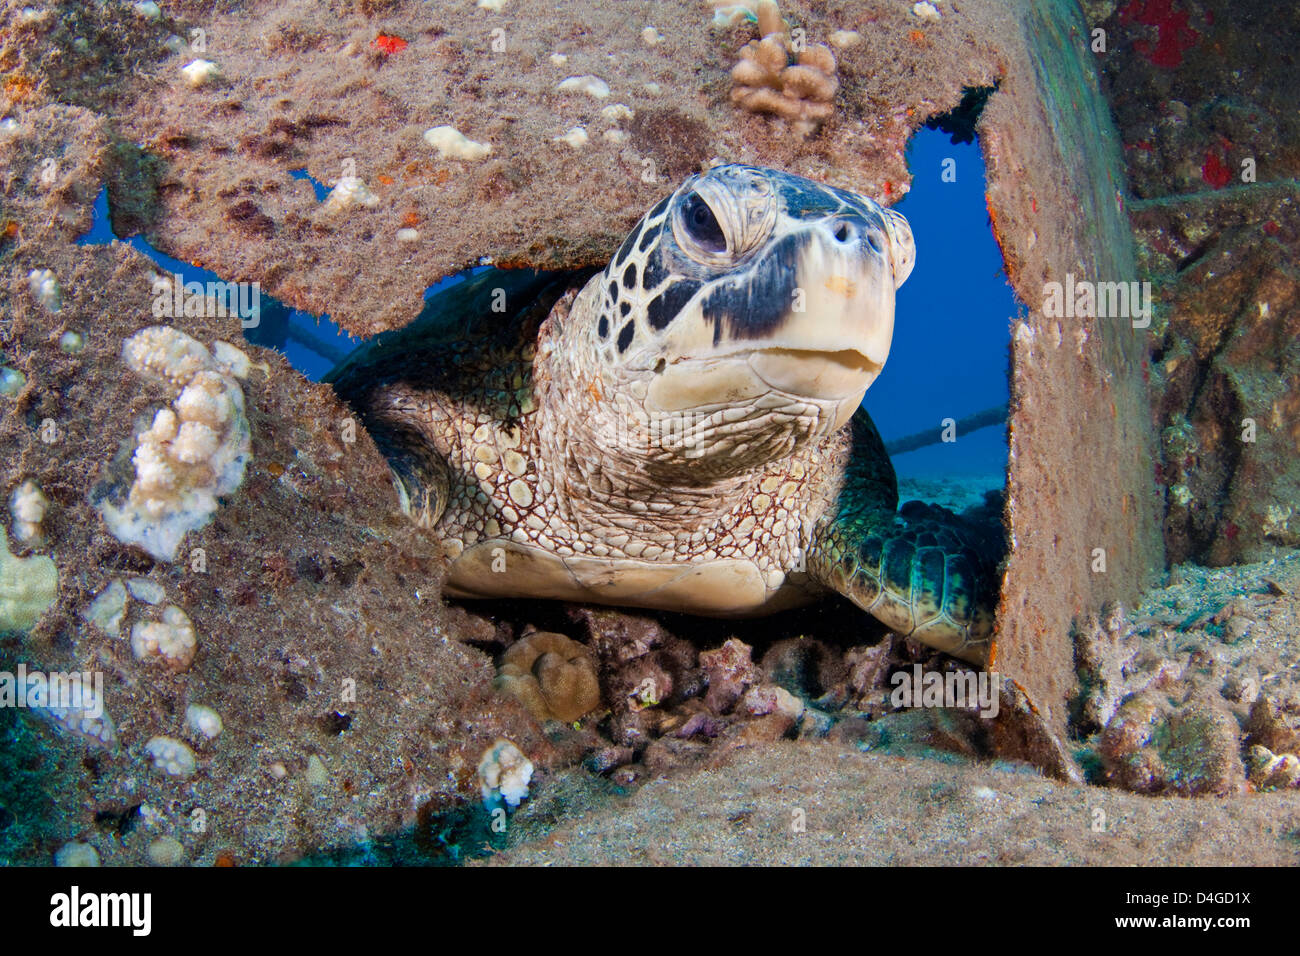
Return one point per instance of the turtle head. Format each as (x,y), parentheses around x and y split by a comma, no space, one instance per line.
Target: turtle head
(755,308)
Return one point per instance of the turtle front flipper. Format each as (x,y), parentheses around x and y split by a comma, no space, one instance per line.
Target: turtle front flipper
(420,474)
(410,385)
(923,571)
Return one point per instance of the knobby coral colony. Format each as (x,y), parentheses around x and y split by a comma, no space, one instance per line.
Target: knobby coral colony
(194,452)
(776,76)
(504,773)
(28,505)
(74,703)
(173,639)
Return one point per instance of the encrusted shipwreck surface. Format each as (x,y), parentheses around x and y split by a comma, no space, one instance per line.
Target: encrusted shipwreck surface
(317,630)
(206,172)
(281,677)
(1216,209)
(1082,511)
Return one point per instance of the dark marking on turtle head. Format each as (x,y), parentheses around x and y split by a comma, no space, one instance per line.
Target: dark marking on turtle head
(752,304)
(663,308)
(648,236)
(625,336)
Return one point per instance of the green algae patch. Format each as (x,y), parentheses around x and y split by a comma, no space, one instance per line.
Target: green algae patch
(27,588)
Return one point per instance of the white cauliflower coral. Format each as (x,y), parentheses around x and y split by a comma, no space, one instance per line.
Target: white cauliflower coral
(193,453)
(504,773)
(28,505)
(172,639)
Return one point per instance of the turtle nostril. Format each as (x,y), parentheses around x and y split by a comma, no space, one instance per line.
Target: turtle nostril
(843,232)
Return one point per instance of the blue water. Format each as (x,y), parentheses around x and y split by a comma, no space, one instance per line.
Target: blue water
(278,322)
(312,345)
(951,332)
(953,318)
(317,187)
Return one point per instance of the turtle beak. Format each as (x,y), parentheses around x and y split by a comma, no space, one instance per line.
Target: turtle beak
(816,374)
(835,339)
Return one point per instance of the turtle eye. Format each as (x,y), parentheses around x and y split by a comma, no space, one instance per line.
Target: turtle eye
(701,225)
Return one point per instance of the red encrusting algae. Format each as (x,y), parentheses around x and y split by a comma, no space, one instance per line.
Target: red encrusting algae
(1174,36)
(389,44)
(1215,170)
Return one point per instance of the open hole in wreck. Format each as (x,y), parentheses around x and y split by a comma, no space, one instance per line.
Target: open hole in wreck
(950,372)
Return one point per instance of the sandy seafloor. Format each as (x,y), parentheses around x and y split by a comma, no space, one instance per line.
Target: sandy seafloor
(954,492)
(877,809)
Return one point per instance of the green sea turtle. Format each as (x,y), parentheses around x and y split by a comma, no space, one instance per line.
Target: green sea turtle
(670,432)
